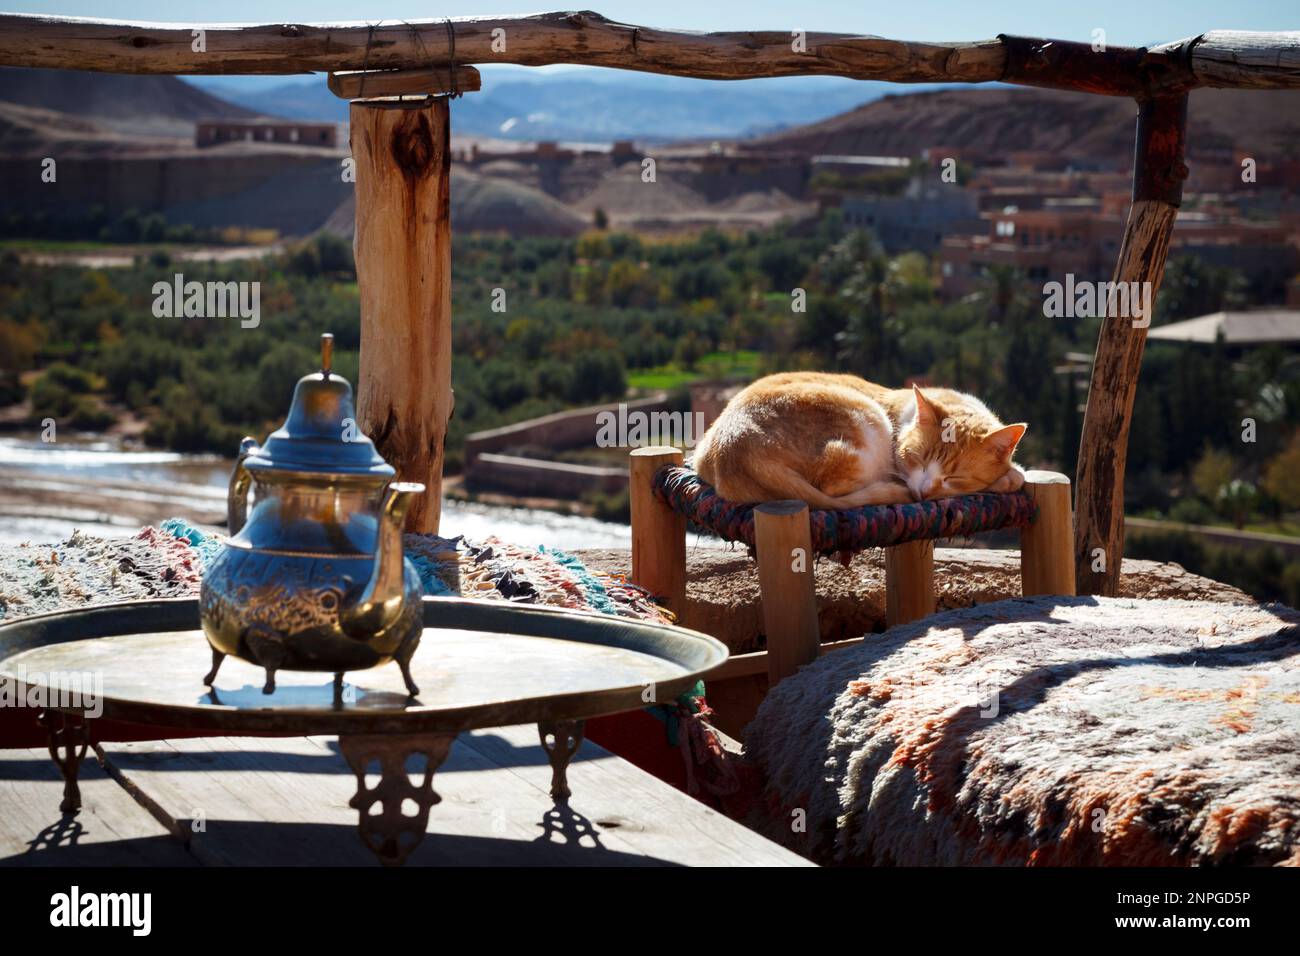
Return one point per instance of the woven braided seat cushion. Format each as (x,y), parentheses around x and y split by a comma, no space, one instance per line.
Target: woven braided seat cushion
(1044,731)
(852,530)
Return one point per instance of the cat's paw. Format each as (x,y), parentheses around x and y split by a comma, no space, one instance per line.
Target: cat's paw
(891,493)
(1013,480)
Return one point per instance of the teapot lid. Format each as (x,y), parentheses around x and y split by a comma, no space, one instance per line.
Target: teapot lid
(321,432)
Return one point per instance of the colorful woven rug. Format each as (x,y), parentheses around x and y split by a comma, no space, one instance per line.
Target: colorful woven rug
(168,561)
(1044,731)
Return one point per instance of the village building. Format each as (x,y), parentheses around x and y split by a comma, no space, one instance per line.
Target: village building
(216,132)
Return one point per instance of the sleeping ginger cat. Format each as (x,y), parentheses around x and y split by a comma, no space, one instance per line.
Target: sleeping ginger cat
(838,441)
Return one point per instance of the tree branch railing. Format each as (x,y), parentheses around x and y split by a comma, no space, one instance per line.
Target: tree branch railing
(1220,58)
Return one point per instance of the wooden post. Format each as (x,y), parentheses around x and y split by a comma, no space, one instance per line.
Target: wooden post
(909,582)
(1103,446)
(403,254)
(783,539)
(658,532)
(1047,545)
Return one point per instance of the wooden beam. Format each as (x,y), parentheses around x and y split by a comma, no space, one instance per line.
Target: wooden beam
(536,40)
(1065,64)
(658,532)
(360,84)
(1224,58)
(783,540)
(403,255)
(1237,59)
(1103,446)
(754,663)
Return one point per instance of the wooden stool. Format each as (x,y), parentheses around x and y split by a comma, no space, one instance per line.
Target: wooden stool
(785,563)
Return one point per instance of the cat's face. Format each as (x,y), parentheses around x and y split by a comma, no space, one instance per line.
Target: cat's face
(952,451)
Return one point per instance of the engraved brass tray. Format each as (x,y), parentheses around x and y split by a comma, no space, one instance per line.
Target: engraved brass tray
(479,664)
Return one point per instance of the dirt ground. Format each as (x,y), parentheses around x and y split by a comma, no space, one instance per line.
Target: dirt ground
(723,599)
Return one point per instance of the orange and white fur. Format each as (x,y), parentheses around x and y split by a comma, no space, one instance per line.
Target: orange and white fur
(839,441)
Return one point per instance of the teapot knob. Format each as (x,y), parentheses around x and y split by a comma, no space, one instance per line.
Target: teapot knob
(326,352)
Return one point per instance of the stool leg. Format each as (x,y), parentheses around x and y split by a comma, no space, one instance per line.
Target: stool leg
(1047,545)
(785,579)
(658,532)
(909,582)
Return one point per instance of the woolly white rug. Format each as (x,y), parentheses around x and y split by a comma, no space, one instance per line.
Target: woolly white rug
(1044,731)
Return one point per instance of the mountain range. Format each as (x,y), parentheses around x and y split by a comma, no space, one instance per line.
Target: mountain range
(999,119)
(804,114)
(586,105)
(161,106)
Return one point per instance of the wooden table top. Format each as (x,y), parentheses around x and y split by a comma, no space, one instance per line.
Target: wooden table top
(253,801)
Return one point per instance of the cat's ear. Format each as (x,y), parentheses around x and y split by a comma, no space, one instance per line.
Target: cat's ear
(926,413)
(1003,442)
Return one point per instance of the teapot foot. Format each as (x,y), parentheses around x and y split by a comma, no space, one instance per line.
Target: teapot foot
(404,662)
(211,677)
(267,647)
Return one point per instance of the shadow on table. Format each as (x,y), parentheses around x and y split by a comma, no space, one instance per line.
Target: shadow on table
(330,760)
(65,843)
(568,839)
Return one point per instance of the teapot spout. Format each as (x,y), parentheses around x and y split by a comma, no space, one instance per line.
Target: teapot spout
(380,603)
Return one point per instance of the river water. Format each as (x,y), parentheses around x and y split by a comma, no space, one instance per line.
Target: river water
(106,488)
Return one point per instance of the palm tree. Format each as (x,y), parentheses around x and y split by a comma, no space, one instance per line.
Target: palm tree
(1004,286)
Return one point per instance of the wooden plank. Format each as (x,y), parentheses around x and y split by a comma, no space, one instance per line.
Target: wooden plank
(533,40)
(361,84)
(111,829)
(278,801)
(656,819)
(403,254)
(284,801)
(747,665)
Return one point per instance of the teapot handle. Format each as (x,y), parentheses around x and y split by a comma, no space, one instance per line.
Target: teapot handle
(237,494)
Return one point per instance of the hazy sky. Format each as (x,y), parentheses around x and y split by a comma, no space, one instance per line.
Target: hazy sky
(1134,22)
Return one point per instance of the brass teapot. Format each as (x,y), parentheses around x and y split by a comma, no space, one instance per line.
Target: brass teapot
(314,578)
